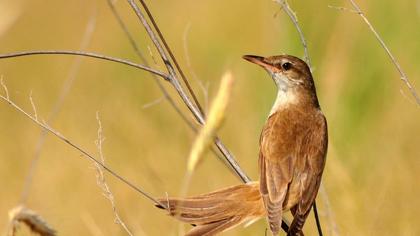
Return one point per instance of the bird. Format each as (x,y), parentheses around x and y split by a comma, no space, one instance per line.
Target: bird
(292,156)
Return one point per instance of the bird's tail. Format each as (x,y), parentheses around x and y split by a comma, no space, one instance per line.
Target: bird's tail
(218,211)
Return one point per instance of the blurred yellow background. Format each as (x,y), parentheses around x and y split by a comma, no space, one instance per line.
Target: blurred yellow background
(372,173)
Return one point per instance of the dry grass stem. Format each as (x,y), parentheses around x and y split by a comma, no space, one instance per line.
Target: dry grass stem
(22,215)
(100,178)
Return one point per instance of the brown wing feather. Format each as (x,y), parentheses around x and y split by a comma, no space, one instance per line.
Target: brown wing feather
(276,165)
(314,148)
(316,151)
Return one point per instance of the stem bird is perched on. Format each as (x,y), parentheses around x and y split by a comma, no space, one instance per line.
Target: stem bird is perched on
(293,147)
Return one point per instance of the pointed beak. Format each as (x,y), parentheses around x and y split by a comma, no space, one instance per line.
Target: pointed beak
(259,61)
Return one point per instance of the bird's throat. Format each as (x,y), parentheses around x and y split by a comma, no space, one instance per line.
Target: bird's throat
(285,98)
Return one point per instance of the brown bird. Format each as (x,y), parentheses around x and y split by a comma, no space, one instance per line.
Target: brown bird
(293,147)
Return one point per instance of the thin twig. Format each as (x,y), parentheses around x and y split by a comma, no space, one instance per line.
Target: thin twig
(88,156)
(403,76)
(86,54)
(100,178)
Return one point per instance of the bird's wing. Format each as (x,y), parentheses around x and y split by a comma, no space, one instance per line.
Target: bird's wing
(315,147)
(276,166)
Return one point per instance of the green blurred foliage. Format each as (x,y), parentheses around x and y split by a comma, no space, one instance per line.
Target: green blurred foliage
(371,175)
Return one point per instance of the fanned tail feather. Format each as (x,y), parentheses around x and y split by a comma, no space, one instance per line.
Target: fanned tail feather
(217,211)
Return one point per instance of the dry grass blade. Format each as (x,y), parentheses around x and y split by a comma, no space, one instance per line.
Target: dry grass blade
(30,218)
(214,121)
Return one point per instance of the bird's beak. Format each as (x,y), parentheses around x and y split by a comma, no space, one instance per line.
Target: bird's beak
(259,61)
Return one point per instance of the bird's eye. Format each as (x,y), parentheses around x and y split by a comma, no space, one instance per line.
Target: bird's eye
(286,65)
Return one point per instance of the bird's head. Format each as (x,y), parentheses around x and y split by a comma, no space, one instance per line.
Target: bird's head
(290,74)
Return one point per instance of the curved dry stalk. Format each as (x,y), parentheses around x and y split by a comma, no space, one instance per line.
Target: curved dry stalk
(86,54)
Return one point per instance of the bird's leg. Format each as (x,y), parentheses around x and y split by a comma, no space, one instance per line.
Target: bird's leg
(297,223)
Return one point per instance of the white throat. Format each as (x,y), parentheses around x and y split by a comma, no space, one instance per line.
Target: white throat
(285,94)
(284,99)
